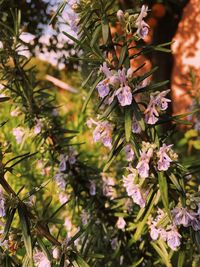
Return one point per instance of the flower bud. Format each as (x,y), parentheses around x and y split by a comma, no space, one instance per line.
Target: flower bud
(120,15)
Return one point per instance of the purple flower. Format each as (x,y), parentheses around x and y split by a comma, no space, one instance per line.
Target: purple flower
(143,29)
(164,160)
(154,232)
(143,164)
(157,103)
(183,216)
(124,93)
(142,26)
(129,153)
(136,126)
(108,186)
(133,190)
(121,223)
(92,188)
(173,238)
(2,204)
(111,79)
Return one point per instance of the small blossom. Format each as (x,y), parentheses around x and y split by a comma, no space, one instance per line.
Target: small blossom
(85,217)
(56,253)
(183,216)
(41,260)
(114,243)
(102,132)
(124,93)
(71,157)
(62,165)
(19,134)
(108,186)
(154,232)
(121,223)
(68,224)
(136,126)
(133,190)
(142,26)
(164,160)
(92,188)
(15,112)
(2,204)
(103,87)
(60,180)
(38,127)
(143,164)
(129,153)
(157,103)
(173,238)
(63,198)
(120,15)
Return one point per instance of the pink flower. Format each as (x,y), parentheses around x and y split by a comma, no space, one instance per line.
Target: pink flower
(143,164)
(154,232)
(41,260)
(142,26)
(108,186)
(143,29)
(164,160)
(162,101)
(136,126)
(92,188)
(133,190)
(2,204)
(124,93)
(120,15)
(102,132)
(157,103)
(19,134)
(104,86)
(173,238)
(121,223)
(129,153)
(183,216)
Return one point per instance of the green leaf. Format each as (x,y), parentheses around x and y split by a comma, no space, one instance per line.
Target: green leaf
(128,123)
(81,262)
(105,29)
(87,79)
(123,55)
(108,110)
(162,255)
(44,248)
(96,35)
(115,154)
(175,182)
(138,115)
(162,180)
(8,224)
(141,225)
(25,226)
(181,258)
(73,39)
(59,10)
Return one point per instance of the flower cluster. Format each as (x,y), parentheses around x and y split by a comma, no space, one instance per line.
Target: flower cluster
(102,132)
(158,102)
(186,217)
(168,233)
(133,189)
(132,22)
(115,84)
